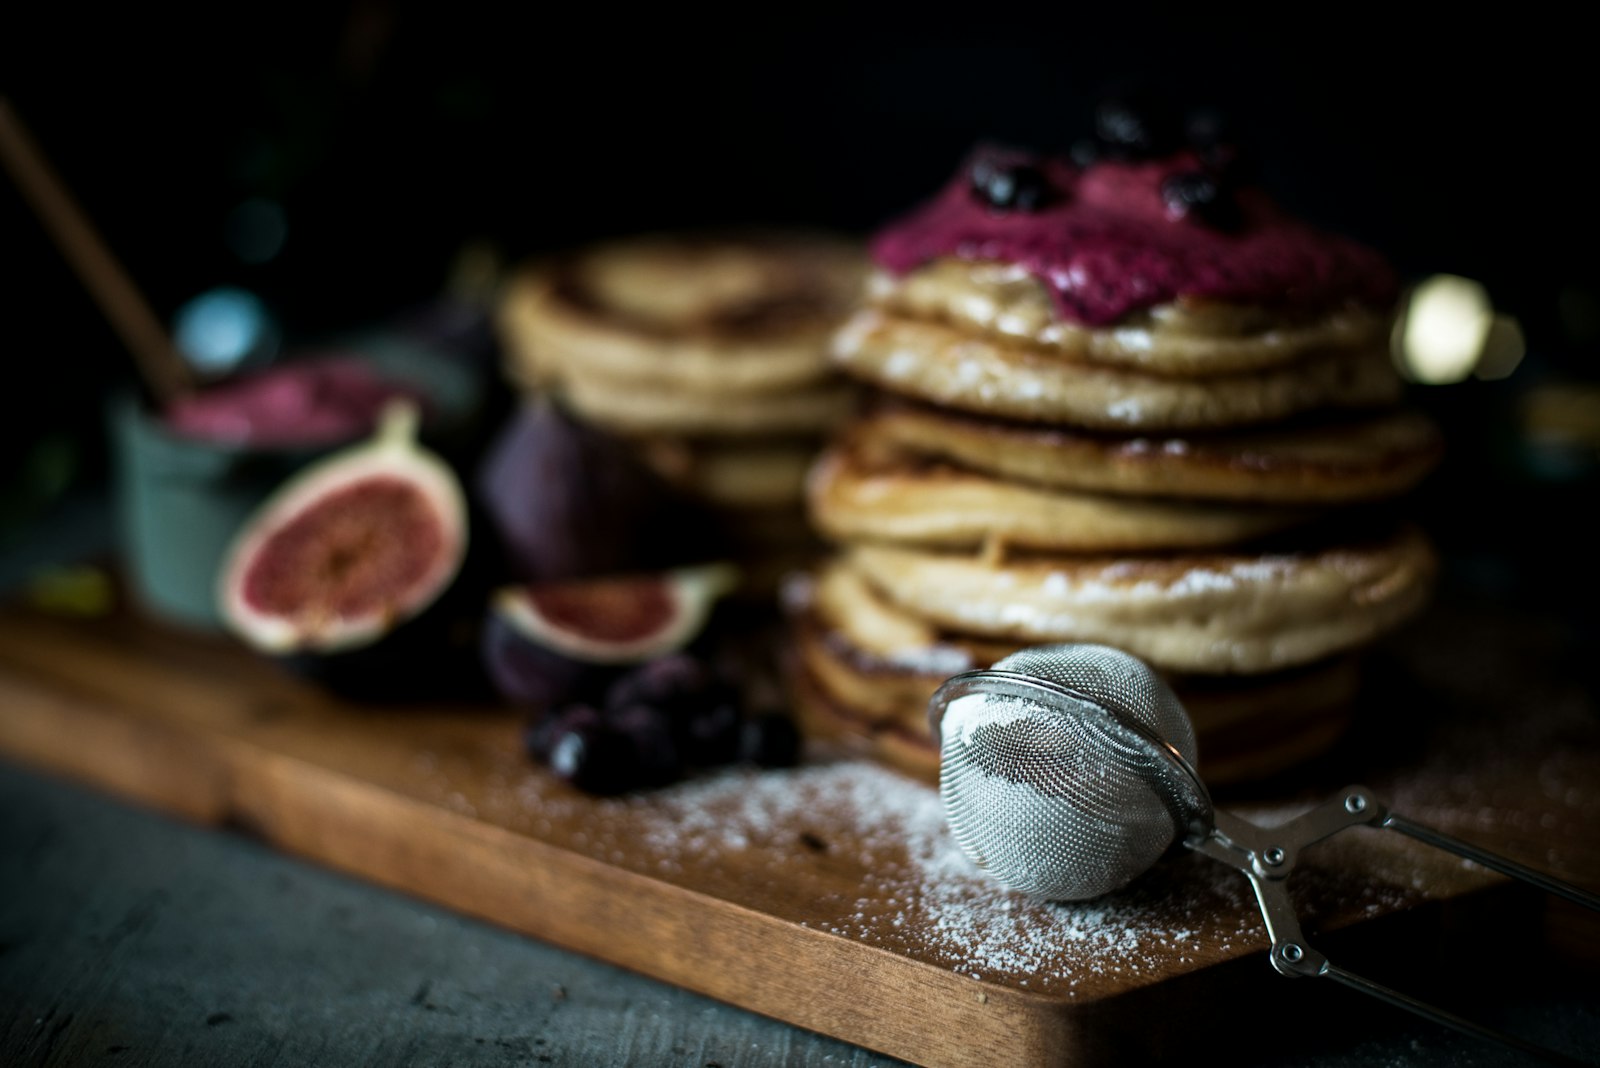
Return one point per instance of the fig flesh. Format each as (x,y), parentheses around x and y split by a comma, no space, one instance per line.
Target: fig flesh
(349,549)
(551,643)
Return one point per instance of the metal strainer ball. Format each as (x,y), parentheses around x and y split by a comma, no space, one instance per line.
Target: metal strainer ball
(1067,775)
(1068,770)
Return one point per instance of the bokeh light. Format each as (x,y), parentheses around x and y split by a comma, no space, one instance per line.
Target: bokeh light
(1442,330)
(224,329)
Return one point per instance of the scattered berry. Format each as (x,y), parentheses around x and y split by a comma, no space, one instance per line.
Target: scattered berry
(708,735)
(1012,186)
(1216,144)
(1136,124)
(595,759)
(658,720)
(539,736)
(655,750)
(666,684)
(1200,196)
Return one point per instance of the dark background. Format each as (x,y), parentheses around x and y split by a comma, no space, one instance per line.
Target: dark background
(393,136)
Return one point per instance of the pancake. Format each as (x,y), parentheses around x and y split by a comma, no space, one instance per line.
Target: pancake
(738,473)
(856,492)
(1361,458)
(820,717)
(710,314)
(950,367)
(1132,402)
(1246,727)
(1208,613)
(1186,338)
(642,410)
(882,660)
(846,603)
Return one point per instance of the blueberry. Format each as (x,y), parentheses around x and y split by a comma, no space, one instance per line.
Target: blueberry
(664,684)
(770,740)
(596,759)
(1200,196)
(655,750)
(1216,143)
(1085,152)
(708,735)
(539,736)
(1012,186)
(1135,123)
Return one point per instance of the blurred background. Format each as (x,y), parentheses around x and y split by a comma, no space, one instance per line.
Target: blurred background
(344,163)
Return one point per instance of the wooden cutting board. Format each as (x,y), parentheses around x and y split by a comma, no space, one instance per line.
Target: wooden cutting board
(829,896)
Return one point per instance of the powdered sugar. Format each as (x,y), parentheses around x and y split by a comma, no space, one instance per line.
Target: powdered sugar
(848,848)
(933,659)
(844,849)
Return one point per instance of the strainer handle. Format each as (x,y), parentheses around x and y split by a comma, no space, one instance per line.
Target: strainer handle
(1292,956)
(1266,856)
(1448,1019)
(1492,861)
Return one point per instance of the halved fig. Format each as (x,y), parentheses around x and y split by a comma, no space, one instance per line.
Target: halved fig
(548,643)
(348,549)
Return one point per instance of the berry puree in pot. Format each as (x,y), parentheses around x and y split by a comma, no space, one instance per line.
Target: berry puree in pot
(306,403)
(1123,235)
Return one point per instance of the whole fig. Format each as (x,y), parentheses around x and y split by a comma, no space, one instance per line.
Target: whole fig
(569,500)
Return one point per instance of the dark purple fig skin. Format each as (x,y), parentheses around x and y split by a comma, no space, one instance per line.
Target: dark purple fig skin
(527,673)
(570,501)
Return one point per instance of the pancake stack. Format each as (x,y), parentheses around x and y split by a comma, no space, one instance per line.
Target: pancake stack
(709,354)
(1100,416)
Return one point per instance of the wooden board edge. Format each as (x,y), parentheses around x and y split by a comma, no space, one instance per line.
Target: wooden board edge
(826,983)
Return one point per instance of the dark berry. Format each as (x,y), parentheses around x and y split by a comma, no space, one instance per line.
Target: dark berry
(1134,124)
(655,750)
(539,736)
(1085,152)
(1200,196)
(708,735)
(596,760)
(770,741)
(1012,186)
(1216,143)
(664,684)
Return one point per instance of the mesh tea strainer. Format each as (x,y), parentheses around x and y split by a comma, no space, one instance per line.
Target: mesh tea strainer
(1067,770)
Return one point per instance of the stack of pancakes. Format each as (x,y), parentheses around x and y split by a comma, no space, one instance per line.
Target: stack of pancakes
(709,353)
(1209,486)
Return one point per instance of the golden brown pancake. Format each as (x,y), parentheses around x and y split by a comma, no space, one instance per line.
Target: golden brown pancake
(1204,612)
(1359,458)
(845,602)
(737,473)
(821,717)
(1247,727)
(642,410)
(882,661)
(948,366)
(884,495)
(710,314)
(1187,338)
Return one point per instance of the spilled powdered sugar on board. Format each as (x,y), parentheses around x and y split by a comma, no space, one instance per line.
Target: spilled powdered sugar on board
(913,890)
(798,837)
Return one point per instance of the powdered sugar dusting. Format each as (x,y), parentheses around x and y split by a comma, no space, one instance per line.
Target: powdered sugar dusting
(847,848)
(919,893)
